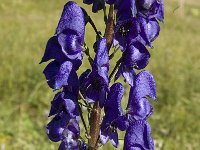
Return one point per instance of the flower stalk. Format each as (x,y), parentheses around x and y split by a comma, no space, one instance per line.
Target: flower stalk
(95,119)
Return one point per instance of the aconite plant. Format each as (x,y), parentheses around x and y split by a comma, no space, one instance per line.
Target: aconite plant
(130,28)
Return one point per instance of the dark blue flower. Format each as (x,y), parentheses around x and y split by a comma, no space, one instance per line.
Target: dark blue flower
(151,9)
(72,18)
(135,56)
(65,101)
(137,21)
(59,75)
(70,136)
(56,127)
(138,136)
(144,86)
(66,44)
(96,84)
(138,111)
(113,115)
(138,29)
(97,4)
(126,32)
(149,30)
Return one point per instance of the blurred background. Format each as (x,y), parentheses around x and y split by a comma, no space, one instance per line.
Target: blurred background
(25,27)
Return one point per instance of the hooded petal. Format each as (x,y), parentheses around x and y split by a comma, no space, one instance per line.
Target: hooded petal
(140,110)
(71,135)
(160,13)
(66,101)
(125,9)
(138,136)
(57,75)
(73,127)
(149,30)
(157,10)
(101,58)
(72,18)
(56,127)
(136,56)
(144,85)
(56,104)
(127,72)
(70,105)
(114,100)
(152,29)
(69,42)
(53,50)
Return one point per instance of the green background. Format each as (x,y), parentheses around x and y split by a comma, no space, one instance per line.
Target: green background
(25,27)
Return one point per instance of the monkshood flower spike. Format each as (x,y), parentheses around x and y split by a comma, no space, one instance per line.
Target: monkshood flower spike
(92,94)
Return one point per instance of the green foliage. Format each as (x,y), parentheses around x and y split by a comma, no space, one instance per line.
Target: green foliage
(25,98)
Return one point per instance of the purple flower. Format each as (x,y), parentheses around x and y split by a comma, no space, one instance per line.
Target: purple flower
(113,115)
(56,127)
(65,101)
(97,4)
(136,21)
(149,31)
(126,32)
(72,18)
(64,128)
(138,136)
(59,75)
(67,44)
(96,84)
(138,105)
(70,136)
(138,29)
(135,56)
(138,111)
(144,86)
(151,9)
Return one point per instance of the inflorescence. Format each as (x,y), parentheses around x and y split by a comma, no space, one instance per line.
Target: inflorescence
(135,28)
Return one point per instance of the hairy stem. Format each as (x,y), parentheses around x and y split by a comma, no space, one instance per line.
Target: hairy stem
(95,122)
(110,27)
(95,118)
